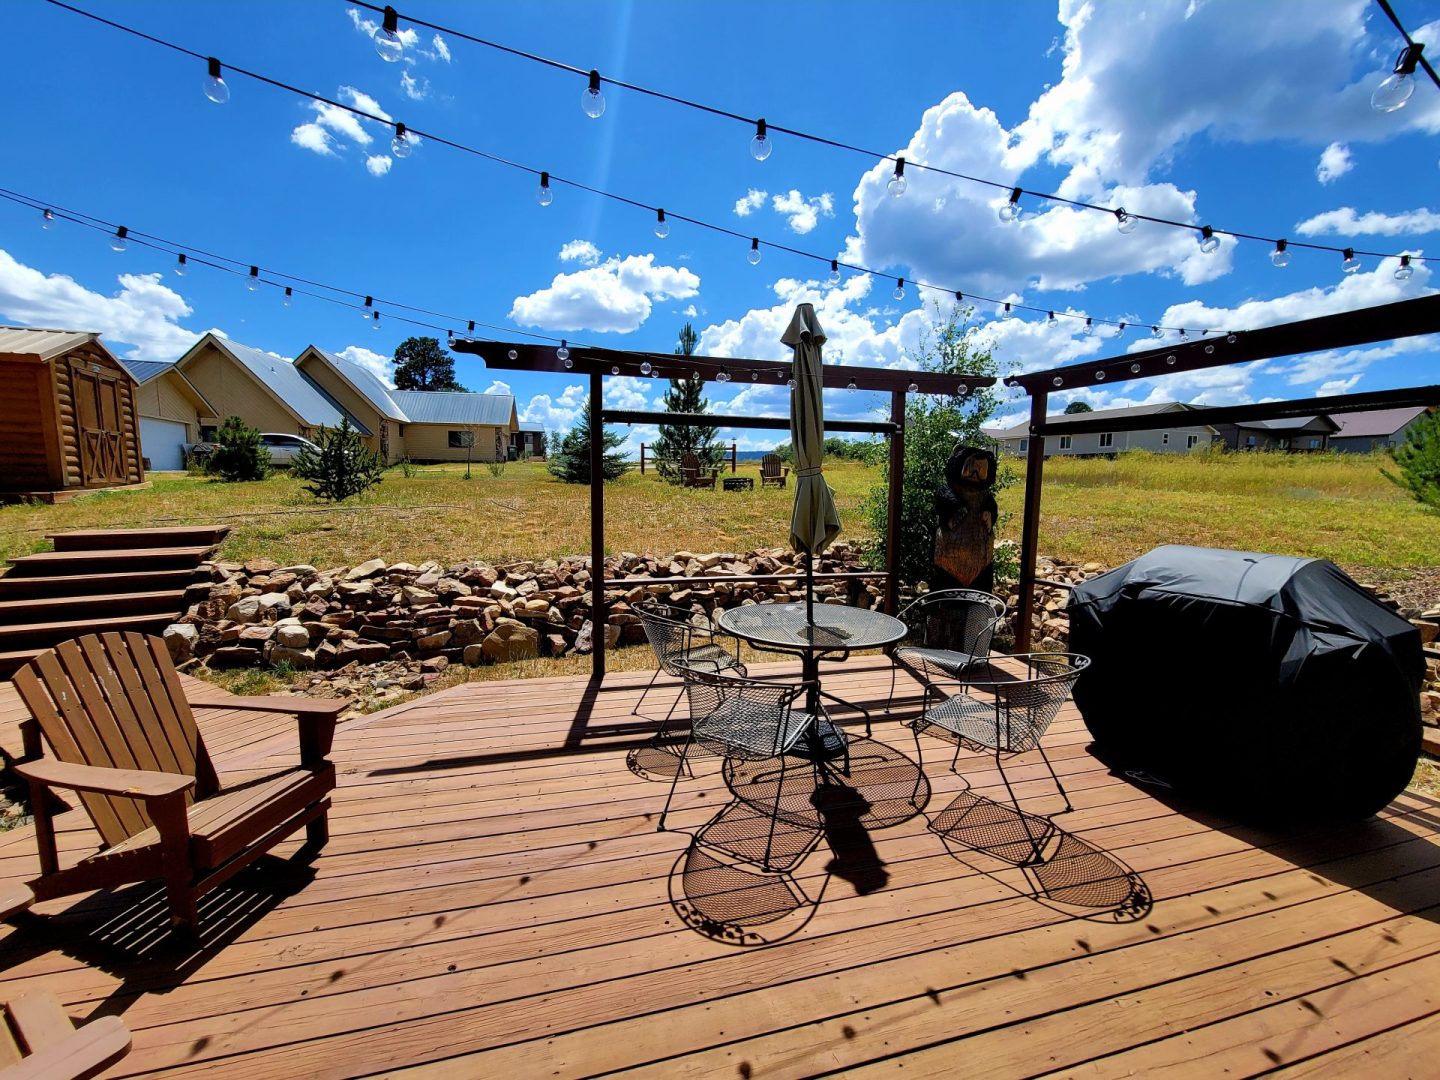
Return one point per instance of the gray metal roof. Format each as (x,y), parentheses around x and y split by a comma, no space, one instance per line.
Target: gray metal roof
(303,395)
(439,407)
(368,385)
(1365,425)
(32,341)
(1292,423)
(1022,429)
(530,425)
(145,370)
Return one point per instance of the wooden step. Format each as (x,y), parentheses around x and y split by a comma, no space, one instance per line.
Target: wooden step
(26,639)
(18,587)
(131,539)
(48,563)
(106,605)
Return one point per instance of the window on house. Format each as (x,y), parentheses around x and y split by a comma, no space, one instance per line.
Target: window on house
(207,433)
(459,440)
(1314,444)
(1024,445)
(1191,441)
(1065,442)
(1164,438)
(1249,440)
(1107,440)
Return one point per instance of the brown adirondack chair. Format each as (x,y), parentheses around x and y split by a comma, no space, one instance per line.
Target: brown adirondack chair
(773,471)
(117,721)
(38,1041)
(694,474)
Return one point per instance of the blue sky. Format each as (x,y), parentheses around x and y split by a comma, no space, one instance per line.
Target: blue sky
(1246,116)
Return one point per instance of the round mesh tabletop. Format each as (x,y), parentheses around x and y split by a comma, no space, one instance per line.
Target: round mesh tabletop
(836,626)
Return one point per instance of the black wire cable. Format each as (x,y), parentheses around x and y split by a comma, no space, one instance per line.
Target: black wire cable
(554,178)
(822,140)
(1395,19)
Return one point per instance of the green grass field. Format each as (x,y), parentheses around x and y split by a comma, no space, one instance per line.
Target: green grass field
(1334,506)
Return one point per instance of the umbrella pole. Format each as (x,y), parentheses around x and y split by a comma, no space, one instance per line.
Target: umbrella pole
(810,588)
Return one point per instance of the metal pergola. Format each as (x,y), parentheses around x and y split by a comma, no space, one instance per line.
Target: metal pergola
(596,363)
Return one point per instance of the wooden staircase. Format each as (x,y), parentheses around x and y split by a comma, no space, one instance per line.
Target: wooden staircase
(98,579)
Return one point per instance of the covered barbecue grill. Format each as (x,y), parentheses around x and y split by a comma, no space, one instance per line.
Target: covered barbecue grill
(1264,684)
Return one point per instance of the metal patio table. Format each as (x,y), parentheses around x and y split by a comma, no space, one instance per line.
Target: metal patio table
(835,628)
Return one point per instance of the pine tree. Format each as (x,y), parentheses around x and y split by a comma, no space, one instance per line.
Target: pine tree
(1418,460)
(571,460)
(343,466)
(239,454)
(421,364)
(686,395)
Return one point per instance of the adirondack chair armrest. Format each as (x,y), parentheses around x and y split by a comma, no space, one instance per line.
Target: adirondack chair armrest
(128,783)
(295,706)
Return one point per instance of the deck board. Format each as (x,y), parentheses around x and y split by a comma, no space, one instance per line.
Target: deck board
(495,900)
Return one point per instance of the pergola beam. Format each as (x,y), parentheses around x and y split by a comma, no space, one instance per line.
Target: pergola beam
(775,423)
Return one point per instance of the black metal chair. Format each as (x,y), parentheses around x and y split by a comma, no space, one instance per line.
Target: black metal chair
(948,631)
(744,719)
(680,644)
(1006,714)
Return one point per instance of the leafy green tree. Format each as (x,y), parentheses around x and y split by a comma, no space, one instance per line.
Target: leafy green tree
(934,426)
(421,364)
(1418,460)
(686,395)
(570,461)
(341,467)
(1078,406)
(239,454)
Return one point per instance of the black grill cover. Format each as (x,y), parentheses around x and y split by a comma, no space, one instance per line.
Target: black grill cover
(1267,684)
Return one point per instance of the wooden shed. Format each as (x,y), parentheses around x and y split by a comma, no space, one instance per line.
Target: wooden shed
(68,420)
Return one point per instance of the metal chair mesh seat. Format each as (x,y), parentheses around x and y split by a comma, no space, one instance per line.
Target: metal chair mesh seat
(679,643)
(1008,714)
(949,631)
(742,718)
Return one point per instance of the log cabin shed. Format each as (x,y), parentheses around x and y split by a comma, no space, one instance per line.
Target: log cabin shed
(68,421)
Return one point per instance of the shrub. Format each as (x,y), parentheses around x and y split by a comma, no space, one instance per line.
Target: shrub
(1418,461)
(239,454)
(570,458)
(341,467)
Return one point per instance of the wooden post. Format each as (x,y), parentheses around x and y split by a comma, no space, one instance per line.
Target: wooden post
(734,456)
(597,528)
(892,503)
(1030,522)
(642,459)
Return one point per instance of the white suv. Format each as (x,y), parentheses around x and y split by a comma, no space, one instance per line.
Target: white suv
(284,448)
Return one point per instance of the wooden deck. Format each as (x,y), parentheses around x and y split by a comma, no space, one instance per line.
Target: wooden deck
(495,901)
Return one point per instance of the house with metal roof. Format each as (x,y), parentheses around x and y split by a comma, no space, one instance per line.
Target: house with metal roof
(1364,432)
(1180,439)
(363,395)
(529,441)
(172,411)
(1293,435)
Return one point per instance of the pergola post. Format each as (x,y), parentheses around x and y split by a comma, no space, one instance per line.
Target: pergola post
(893,502)
(598,622)
(1030,520)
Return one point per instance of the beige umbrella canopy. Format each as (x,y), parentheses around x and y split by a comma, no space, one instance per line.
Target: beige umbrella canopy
(814,523)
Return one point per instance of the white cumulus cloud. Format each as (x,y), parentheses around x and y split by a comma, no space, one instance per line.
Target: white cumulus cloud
(555,413)
(442,50)
(581,251)
(378,164)
(1335,162)
(383,367)
(616,295)
(751,201)
(1346,221)
(803,214)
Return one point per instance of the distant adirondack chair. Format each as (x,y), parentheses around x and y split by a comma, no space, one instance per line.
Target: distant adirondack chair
(773,471)
(38,1041)
(116,718)
(695,474)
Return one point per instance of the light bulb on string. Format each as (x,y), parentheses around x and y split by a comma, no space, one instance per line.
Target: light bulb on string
(722,376)
(1395,90)
(543,195)
(646,367)
(400,145)
(1120,330)
(1280,257)
(289,298)
(369,307)
(1209,242)
(914,387)
(1170,360)
(1008,312)
(962,389)
(1157,333)
(899,292)
(1125,222)
(1404,271)
(1230,339)
(754,255)
(1057,382)
(760,145)
(1088,328)
(791,383)
(1099,376)
(387,39)
(1209,349)
(119,241)
(850,386)
(754,376)
(1349,263)
(592,100)
(614,369)
(897,183)
(1012,210)
(471,331)
(662,227)
(182,265)
(513,354)
(252,283)
(1134,369)
(214,85)
(47,218)
(563,354)
(834,271)
(375,320)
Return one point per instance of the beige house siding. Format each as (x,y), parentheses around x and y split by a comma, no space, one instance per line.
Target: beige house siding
(358,407)
(431,442)
(233,392)
(162,399)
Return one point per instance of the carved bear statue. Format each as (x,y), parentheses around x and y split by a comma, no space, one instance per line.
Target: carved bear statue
(966,512)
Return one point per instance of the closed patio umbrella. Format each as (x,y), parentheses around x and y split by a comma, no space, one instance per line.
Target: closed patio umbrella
(814,523)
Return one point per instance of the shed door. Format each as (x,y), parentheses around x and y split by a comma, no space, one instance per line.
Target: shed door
(97,414)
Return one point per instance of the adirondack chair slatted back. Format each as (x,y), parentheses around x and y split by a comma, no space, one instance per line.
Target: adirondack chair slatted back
(771,465)
(115,700)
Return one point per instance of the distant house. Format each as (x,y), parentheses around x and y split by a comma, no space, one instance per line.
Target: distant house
(1295,435)
(363,395)
(1363,432)
(457,427)
(529,441)
(1180,439)
(172,412)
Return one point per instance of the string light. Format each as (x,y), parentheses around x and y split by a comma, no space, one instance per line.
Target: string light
(1349,263)
(1280,257)
(1012,210)
(754,376)
(513,354)
(1125,221)
(47,218)
(1404,271)
(252,283)
(120,241)
(614,369)
(400,145)
(662,227)
(1100,376)
(289,299)
(368,308)
(375,321)
(899,292)
(1209,242)
(761,145)
(1395,90)
(472,328)
(1135,369)
(834,271)
(543,195)
(1057,381)
(563,354)
(1051,319)
(387,38)
(897,182)
(722,376)
(754,255)
(214,84)
(851,387)
(181,265)
(592,100)
(1088,328)
(646,367)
